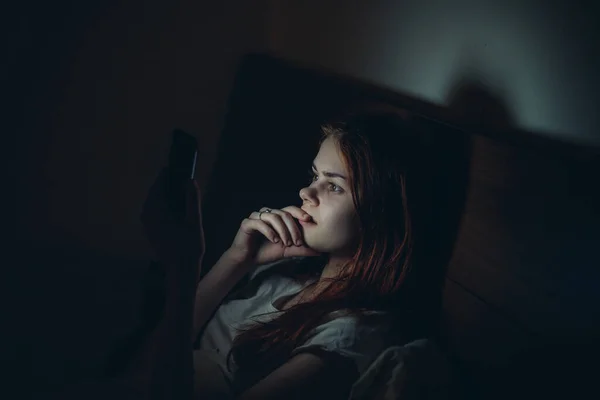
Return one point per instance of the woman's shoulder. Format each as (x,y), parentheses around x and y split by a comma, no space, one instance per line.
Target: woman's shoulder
(346,328)
(359,322)
(357,337)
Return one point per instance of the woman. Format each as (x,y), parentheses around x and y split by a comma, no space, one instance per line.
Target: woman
(327,279)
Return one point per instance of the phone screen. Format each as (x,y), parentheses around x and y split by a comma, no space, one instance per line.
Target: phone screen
(182,166)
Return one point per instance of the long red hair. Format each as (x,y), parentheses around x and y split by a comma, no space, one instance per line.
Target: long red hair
(379,152)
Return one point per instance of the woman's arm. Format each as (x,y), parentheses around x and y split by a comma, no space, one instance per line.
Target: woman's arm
(213,288)
(165,362)
(306,376)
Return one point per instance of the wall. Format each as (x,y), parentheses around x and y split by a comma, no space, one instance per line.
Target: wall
(97,88)
(539,56)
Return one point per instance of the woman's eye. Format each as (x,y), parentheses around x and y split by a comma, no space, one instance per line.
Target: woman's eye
(334,188)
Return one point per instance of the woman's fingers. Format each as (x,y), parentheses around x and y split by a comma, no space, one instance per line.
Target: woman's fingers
(295,229)
(297,213)
(291,225)
(283,223)
(275,221)
(251,224)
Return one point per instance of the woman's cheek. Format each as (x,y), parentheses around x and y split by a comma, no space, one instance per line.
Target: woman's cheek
(346,230)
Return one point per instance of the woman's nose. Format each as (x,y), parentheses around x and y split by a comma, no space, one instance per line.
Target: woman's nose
(307,195)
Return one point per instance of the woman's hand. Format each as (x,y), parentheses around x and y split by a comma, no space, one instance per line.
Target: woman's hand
(175,242)
(266,237)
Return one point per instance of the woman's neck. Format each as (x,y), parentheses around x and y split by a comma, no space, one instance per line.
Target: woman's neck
(332,268)
(330,271)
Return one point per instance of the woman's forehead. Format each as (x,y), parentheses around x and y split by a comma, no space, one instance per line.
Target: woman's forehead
(329,157)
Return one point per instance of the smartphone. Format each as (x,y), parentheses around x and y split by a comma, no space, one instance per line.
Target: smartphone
(181,169)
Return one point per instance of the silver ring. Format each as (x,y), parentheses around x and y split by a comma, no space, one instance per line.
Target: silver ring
(268,210)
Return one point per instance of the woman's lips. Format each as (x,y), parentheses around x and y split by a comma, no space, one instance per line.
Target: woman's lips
(309,222)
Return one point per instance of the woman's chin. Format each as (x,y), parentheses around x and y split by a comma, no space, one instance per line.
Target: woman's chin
(311,244)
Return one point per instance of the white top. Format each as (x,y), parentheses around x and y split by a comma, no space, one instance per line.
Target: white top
(341,334)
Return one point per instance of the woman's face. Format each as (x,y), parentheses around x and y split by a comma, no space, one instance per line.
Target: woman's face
(328,200)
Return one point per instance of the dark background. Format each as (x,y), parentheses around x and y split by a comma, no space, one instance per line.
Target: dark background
(93,89)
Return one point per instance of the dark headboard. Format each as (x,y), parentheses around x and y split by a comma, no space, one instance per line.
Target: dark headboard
(522,261)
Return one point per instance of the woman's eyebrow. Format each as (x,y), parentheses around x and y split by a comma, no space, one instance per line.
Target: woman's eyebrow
(330,174)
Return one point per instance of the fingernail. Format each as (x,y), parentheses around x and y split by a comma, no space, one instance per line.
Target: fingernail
(298,242)
(289,243)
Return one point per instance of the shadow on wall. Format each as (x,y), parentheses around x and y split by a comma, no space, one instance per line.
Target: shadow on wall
(470,99)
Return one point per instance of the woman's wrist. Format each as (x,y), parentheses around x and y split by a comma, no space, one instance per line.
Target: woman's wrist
(232,266)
